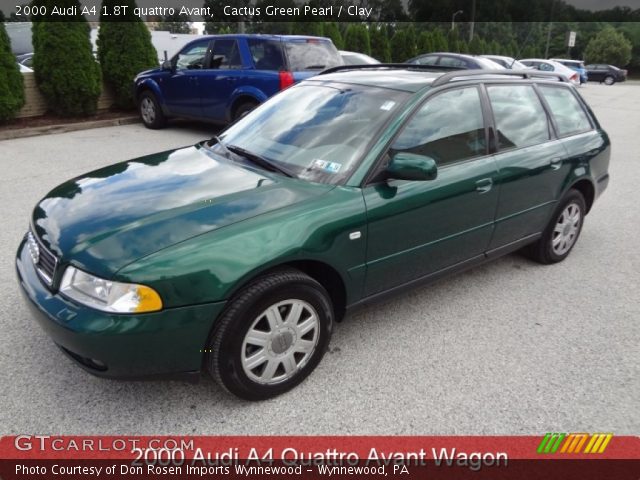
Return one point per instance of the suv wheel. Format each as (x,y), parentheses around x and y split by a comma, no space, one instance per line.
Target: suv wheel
(150,111)
(271,336)
(609,80)
(562,232)
(242,109)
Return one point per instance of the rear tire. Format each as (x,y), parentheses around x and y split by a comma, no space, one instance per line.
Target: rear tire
(609,80)
(562,232)
(271,336)
(150,111)
(242,109)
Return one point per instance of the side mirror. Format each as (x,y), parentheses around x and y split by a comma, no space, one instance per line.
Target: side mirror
(167,65)
(410,166)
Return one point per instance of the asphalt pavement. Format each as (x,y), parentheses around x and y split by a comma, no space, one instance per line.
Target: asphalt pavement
(511,347)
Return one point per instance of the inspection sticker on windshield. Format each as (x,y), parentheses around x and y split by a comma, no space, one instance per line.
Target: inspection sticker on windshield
(388,105)
(331,167)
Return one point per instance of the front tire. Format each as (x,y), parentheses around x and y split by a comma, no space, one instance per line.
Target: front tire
(609,80)
(150,111)
(271,336)
(562,232)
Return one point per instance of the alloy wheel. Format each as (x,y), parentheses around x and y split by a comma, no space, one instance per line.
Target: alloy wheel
(148,110)
(280,341)
(566,229)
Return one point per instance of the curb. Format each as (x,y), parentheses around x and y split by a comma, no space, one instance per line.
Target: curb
(65,127)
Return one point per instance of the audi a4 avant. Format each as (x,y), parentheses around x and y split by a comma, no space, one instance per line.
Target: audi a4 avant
(237,255)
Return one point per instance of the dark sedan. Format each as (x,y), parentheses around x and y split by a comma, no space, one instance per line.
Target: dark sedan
(606,73)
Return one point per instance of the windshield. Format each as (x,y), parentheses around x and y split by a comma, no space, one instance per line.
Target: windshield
(317,132)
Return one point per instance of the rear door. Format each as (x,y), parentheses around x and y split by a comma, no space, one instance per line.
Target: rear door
(417,228)
(531,162)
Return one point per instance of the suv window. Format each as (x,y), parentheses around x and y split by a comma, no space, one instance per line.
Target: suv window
(566,110)
(226,54)
(448,127)
(266,54)
(520,118)
(193,56)
(311,54)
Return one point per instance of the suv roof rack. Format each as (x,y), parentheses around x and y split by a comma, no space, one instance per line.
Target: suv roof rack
(398,66)
(526,74)
(451,73)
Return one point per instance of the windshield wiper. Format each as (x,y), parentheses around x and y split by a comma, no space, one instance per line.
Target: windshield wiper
(227,152)
(259,160)
(314,67)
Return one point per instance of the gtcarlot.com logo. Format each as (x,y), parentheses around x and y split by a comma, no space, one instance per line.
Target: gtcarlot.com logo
(574,443)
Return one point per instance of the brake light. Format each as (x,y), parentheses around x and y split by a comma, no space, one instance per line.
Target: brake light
(574,77)
(286,79)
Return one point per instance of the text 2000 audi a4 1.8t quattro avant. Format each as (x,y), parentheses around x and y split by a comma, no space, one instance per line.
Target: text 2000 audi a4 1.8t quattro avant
(238,254)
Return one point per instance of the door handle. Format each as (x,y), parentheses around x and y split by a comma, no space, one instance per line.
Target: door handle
(555,163)
(484,185)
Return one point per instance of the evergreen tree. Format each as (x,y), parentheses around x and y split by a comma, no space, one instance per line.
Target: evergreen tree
(66,71)
(332,31)
(453,40)
(174,24)
(425,43)
(124,50)
(11,81)
(380,47)
(403,45)
(439,41)
(357,39)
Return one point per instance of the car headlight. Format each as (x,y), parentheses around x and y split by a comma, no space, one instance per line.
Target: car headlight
(108,296)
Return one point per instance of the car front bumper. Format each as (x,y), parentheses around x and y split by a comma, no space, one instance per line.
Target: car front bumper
(168,343)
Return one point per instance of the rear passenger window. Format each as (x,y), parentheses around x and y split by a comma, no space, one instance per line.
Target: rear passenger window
(448,127)
(566,110)
(266,54)
(520,118)
(226,55)
(452,62)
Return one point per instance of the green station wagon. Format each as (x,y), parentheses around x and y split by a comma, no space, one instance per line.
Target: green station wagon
(238,254)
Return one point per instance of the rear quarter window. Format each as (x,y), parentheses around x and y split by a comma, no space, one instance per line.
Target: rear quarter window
(311,54)
(520,117)
(566,110)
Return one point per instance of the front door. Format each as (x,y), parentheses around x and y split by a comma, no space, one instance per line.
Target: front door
(181,88)
(416,228)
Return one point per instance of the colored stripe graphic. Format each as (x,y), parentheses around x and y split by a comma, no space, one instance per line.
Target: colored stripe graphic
(573,442)
(551,442)
(598,443)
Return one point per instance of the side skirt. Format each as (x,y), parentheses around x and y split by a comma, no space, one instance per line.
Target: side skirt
(445,272)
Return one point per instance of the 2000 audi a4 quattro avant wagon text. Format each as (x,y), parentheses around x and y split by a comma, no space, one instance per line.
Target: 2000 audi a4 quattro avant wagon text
(238,254)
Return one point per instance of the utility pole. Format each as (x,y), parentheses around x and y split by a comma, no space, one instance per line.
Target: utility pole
(546,50)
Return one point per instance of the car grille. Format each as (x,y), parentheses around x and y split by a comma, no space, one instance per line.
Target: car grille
(45,261)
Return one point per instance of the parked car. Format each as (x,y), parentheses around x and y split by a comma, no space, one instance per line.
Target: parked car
(237,255)
(455,60)
(24,68)
(507,62)
(576,65)
(220,78)
(356,58)
(551,66)
(25,59)
(607,74)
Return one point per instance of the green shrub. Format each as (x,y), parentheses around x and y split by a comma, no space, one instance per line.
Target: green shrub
(425,43)
(332,31)
(403,45)
(124,50)
(439,41)
(11,82)
(67,74)
(609,46)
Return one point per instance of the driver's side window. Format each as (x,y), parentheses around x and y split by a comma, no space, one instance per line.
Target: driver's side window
(448,128)
(192,57)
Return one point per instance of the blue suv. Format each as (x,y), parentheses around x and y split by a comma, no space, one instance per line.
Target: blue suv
(219,78)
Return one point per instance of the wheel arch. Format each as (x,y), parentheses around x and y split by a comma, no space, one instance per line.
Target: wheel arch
(587,189)
(241,95)
(153,87)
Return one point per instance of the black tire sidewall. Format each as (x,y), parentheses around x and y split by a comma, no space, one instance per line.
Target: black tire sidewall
(610,82)
(159,118)
(243,109)
(237,321)
(573,196)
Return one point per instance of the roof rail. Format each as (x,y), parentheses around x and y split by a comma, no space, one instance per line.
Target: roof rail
(397,66)
(527,74)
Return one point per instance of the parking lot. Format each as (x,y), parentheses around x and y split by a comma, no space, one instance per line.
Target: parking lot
(511,347)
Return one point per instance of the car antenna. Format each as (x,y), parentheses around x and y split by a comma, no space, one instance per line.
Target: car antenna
(522,45)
